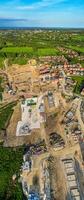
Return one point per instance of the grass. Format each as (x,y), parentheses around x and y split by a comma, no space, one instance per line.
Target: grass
(10,163)
(82,63)
(20,61)
(30,51)
(5,114)
(47,52)
(78,37)
(79,83)
(17,50)
(1,62)
(1,88)
(9,44)
(76,48)
(1,81)
(78,78)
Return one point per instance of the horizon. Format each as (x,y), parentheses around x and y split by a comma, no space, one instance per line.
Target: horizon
(46,28)
(42,13)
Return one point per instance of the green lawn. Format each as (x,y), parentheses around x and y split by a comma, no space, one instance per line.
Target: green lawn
(10,164)
(47,52)
(29,51)
(17,50)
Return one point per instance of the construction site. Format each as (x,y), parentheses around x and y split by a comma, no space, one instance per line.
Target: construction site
(47,120)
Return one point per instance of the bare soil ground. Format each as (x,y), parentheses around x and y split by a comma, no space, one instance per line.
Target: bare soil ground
(58,184)
(12,139)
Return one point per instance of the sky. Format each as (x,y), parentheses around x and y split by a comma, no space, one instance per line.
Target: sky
(42,13)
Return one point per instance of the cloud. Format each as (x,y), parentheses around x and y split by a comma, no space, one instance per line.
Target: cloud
(40,4)
(14,22)
(11,20)
(41,13)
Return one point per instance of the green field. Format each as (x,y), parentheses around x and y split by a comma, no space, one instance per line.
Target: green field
(20,45)
(29,51)
(79,83)
(1,61)
(76,48)
(47,52)
(20,60)
(78,37)
(78,78)
(10,163)
(17,50)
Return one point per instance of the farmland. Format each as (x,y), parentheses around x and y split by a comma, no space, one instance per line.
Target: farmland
(17,50)
(78,37)
(47,52)
(41,38)
(29,51)
(19,46)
